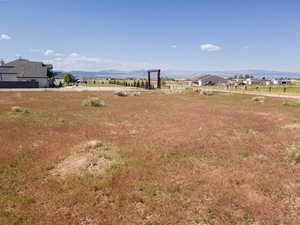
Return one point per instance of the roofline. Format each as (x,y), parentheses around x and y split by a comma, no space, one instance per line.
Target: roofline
(32,77)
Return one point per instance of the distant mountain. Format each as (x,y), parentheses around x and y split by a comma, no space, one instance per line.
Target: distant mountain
(183,74)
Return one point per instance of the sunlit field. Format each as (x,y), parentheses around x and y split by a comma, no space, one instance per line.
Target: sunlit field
(157,157)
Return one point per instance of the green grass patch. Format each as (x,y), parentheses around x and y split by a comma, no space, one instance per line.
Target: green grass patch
(294,154)
(18,109)
(291,103)
(93,102)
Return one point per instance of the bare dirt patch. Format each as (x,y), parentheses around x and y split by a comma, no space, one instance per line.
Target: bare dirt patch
(93,158)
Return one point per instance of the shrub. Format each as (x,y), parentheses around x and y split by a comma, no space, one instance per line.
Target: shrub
(258,99)
(68,78)
(19,109)
(121,93)
(206,92)
(291,103)
(294,154)
(136,93)
(93,102)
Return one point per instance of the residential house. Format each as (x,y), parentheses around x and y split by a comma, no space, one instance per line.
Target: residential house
(281,81)
(251,81)
(24,73)
(209,80)
(58,78)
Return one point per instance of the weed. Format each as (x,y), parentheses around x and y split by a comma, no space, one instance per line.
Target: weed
(93,102)
(245,154)
(121,93)
(136,94)
(50,167)
(291,103)
(297,189)
(19,109)
(206,92)
(294,154)
(260,99)
(262,157)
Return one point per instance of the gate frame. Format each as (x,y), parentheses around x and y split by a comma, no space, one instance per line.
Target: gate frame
(158,78)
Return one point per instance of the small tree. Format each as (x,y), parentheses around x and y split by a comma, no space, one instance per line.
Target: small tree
(68,78)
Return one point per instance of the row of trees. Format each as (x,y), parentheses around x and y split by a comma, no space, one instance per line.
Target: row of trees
(240,77)
(138,83)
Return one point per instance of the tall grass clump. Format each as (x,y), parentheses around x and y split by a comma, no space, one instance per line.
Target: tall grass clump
(136,94)
(258,99)
(121,93)
(294,154)
(19,109)
(291,103)
(93,102)
(206,92)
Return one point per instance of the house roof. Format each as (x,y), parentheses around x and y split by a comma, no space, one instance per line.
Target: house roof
(26,68)
(208,77)
(58,75)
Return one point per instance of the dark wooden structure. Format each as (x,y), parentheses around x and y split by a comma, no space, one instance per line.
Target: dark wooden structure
(158,78)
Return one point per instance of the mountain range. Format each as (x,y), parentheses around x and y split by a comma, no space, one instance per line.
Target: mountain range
(182,74)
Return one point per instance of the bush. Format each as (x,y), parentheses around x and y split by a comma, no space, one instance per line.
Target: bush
(291,103)
(121,93)
(258,99)
(294,154)
(19,109)
(136,93)
(93,102)
(206,92)
(68,78)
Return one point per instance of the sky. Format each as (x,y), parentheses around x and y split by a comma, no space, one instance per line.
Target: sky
(203,35)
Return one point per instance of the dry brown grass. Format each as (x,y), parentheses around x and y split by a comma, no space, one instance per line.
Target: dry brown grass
(186,159)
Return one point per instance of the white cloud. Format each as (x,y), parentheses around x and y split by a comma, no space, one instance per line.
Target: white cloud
(173,46)
(37,50)
(4,37)
(210,47)
(246,47)
(75,61)
(49,52)
(74,54)
(58,59)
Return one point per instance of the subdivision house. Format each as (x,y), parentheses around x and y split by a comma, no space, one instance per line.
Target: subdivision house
(22,73)
(209,80)
(251,81)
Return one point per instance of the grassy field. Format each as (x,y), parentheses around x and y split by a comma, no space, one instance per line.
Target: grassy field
(157,158)
(265,89)
(277,89)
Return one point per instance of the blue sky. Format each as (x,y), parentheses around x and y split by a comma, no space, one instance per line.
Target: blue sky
(137,34)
